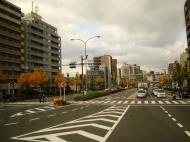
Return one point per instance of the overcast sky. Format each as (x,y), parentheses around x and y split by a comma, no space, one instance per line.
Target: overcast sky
(150,33)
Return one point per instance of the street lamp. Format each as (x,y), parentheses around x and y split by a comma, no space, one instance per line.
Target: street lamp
(86,56)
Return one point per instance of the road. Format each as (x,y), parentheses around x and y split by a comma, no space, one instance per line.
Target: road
(119,117)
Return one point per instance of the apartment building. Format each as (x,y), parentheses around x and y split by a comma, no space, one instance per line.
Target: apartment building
(42,45)
(10,43)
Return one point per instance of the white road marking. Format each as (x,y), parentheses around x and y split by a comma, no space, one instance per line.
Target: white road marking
(33,119)
(160,102)
(146,102)
(8,124)
(58,136)
(73,109)
(51,115)
(111,115)
(175,102)
(112,102)
(132,102)
(119,102)
(65,112)
(153,102)
(169,115)
(187,133)
(167,102)
(174,119)
(139,102)
(125,102)
(188,101)
(30,111)
(165,111)
(17,114)
(106,102)
(114,126)
(182,102)
(179,125)
(40,109)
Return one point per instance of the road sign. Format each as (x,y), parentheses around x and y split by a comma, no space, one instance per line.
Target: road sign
(62,85)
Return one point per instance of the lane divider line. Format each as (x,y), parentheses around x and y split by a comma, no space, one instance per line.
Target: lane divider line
(187,133)
(33,119)
(179,125)
(8,124)
(174,119)
(51,115)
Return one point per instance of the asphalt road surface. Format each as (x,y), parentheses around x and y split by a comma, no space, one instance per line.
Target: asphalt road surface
(119,117)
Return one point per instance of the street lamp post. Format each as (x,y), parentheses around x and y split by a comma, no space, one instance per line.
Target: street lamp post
(86,56)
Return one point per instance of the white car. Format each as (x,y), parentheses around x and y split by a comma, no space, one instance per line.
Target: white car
(141,93)
(161,93)
(155,91)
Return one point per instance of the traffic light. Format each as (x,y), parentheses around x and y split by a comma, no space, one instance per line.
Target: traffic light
(72,65)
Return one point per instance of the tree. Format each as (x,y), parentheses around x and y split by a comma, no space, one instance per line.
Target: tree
(164,80)
(59,78)
(77,81)
(99,80)
(24,79)
(38,77)
(2,76)
(179,74)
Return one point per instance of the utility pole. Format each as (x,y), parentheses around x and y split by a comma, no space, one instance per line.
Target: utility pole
(82,73)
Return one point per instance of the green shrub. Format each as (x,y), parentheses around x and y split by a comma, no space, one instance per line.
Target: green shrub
(91,96)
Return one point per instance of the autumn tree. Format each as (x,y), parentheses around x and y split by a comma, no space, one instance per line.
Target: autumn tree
(2,76)
(77,81)
(38,77)
(24,79)
(59,78)
(99,80)
(164,80)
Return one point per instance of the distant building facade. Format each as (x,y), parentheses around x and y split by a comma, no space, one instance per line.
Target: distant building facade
(183,58)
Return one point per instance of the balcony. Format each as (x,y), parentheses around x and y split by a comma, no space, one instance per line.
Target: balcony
(8,51)
(10,35)
(10,60)
(8,18)
(11,43)
(9,26)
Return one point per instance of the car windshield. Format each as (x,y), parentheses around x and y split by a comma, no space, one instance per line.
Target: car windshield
(160,91)
(141,91)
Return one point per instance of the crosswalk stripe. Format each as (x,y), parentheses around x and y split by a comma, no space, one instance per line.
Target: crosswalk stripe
(160,102)
(139,102)
(175,102)
(106,102)
(153,102)
(119,102)
(188,101)
(167,102)
(112,102)
(146,102)
(132,102)
(125,102)
(182,102)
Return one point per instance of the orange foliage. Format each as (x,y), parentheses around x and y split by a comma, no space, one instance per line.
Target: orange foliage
(99,80)
(77,79)
(38,77)
(59,78)
(24,79)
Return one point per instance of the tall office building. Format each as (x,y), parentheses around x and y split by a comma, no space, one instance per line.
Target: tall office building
(10,42)
(42,45)
(187,20)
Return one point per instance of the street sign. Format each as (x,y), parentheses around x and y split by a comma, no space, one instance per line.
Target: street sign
(61,85)
(72,65)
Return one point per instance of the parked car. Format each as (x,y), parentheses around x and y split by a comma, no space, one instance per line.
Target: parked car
(160,93)
(185,93)
(141,93)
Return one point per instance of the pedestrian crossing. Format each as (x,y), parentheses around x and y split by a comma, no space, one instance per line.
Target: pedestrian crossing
(135,102)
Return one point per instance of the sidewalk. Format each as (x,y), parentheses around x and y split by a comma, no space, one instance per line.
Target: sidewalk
(48,100)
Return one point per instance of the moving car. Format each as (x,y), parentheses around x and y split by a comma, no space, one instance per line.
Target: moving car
(141,93)
(160,93)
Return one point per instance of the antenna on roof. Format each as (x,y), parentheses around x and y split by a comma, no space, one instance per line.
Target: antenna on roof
(36,9)
(32,5)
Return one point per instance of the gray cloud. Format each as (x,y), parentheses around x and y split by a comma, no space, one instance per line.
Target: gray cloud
(146,32)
